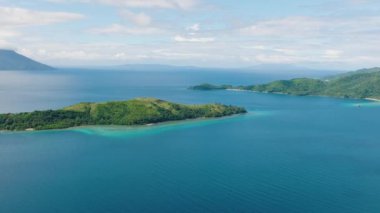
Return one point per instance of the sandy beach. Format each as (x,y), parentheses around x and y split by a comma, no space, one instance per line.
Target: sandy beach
(372,99)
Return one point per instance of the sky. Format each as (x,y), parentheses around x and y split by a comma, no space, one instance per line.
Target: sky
(328,34)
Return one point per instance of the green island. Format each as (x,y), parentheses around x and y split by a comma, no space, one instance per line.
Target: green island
(138,111)
(361,84)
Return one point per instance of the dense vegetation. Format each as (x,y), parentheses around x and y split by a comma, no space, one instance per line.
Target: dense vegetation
(346,74)
(360,84)
(211,87)
(133,112)
(300,86)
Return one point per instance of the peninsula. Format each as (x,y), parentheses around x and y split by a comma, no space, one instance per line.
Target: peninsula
(361,84)
(138,111)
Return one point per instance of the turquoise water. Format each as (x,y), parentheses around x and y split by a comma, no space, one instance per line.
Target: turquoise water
(288,154)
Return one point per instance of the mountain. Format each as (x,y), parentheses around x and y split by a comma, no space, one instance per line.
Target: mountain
(361,71)
(154,67)
(132,112)
(360,84)
(10,60)
(277,67)
(356,85)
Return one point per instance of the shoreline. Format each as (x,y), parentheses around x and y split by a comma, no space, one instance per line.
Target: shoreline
(30,130)
(324,96)
(372,99)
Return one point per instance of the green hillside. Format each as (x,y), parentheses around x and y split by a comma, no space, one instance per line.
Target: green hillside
(361,84)
(133,112)
(211,87)
(346,74)
(299,86)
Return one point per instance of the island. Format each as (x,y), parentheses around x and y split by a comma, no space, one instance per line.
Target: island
(207,86)
(11,60)
(137,111)
(361,84)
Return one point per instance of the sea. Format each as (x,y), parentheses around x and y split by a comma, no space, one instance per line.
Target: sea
(287,154)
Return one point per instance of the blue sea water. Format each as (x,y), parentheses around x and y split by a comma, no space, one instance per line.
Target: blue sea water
(288,154)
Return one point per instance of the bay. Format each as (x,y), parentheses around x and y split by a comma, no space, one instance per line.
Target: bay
(288,154)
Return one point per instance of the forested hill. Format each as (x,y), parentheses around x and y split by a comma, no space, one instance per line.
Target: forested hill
(133,112)
(360,84)
(346,74)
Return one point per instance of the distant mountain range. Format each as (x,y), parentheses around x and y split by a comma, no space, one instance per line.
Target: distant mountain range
(154,67)
(364,83)
(290,70)
(10,60)
(278,67)
(283,70)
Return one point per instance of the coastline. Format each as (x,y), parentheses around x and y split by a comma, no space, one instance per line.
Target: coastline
(138,111)
(372,99)
(281,93)
(142,126)
(237,90)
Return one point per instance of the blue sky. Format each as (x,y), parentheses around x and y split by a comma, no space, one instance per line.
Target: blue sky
(333,34)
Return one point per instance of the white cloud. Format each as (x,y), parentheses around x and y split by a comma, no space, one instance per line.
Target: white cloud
(292,26)
(359,1)
(18,17)
(257,47)
(140,19)
(13,20)
(303,26)
(287,51)
(68,1)
(118,29)
(62,54)
(276,59)
(333,54)
(7,33)
(328,39)
(313,40)
(165,4)
(179,38)
(194,27)
(168,4)
(194,35)
(127,56)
